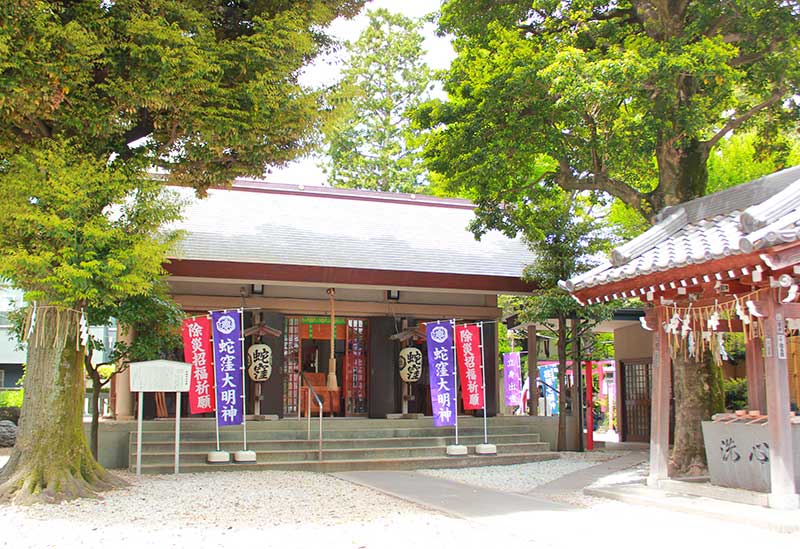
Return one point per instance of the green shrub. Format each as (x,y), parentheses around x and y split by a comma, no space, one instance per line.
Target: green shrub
(735,393)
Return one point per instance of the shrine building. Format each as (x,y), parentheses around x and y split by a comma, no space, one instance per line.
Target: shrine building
(381,264)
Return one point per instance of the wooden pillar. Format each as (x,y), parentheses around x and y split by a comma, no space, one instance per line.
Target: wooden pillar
(533,372)
(589,382)
(754,363)
(783,492)
(123,401)
(659,412)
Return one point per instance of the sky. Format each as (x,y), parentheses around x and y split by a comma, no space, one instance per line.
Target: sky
(326,72)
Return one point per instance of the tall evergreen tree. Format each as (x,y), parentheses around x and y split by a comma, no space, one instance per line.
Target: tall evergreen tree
(372,144)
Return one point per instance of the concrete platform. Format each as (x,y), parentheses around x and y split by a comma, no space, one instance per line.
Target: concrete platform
(753,515)
(445,496)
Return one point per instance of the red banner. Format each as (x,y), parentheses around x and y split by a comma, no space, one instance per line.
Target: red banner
(468,340)
(197,352)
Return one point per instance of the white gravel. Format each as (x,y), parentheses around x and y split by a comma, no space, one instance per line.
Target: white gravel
(524,477)
(301,510)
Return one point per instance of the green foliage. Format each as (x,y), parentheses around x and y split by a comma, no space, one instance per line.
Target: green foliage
(738,159)
(155,319)
(75,231)
(371,142)
(602,347)
(735,389)
(625,98)
(11,398)
(212,86)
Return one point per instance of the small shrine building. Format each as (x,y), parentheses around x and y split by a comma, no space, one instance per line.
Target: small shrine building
(727,262)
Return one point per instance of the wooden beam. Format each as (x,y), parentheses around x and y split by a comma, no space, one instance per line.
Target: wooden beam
(783,493)
(343,308)
(334,276)
(754,364)
(659,411)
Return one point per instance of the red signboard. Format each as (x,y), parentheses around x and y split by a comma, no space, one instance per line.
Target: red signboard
(197,352)
(468,340)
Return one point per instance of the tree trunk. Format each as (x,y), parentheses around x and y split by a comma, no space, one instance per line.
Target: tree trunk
(683,175)
(97,387)
(692,390)
(51,460)
(562,384)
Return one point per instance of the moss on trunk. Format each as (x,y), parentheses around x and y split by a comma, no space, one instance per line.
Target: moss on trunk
(51,460)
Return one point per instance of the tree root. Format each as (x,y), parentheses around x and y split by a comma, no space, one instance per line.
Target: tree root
(54,482)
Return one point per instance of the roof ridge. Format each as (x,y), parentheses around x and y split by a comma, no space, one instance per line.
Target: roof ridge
(739,197)
(760,215)
(259,185)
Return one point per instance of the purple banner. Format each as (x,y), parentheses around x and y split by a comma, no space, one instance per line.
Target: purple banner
(511,376)
(442,373)
(227,333)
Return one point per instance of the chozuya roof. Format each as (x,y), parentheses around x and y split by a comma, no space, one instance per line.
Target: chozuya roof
(268,223)
(734,222)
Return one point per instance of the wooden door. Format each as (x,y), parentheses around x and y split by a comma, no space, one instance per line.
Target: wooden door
(636,404)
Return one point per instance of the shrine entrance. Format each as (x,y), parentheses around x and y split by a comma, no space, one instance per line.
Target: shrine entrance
(307,347)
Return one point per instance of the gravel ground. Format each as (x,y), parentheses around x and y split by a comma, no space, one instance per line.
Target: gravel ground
(287,510)
(524,477)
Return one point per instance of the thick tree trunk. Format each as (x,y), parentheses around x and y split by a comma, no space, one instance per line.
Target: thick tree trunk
(683,175)
(692,385)
(51,460)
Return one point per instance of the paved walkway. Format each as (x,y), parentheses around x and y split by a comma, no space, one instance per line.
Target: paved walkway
(579,480)
(446,496)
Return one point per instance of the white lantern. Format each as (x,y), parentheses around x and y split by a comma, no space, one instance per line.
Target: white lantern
(410,364)
(259,358)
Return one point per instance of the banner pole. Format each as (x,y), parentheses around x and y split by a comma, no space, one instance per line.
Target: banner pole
(245,455)
(455,367)
(219,456)
(216,399)
(244,381)
(484,448)
(483,381)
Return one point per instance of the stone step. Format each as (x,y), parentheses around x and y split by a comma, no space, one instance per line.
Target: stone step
(266,445)
(333,424)
(329,466)
(235,433)
(354,454)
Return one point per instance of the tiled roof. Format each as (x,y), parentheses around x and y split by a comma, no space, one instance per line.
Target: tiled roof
(756,215)
(256,222)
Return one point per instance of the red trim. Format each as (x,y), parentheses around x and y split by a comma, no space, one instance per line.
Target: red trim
(345,275)
(671,275)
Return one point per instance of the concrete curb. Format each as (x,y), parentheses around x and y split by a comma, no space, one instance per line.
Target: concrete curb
(639,494)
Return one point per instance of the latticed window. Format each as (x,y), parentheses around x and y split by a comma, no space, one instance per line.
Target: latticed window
(356,368)
(291,364)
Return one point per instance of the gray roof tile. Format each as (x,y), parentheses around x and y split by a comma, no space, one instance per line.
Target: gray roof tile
(752,216)
(315,226)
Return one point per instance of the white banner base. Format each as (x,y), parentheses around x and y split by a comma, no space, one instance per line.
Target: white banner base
(218,457)
(486,449)
(244,456)
(456,450)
